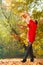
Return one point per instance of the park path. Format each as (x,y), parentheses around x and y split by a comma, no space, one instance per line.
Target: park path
(18,62)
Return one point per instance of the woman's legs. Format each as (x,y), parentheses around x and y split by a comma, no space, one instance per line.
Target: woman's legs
(31,54)
(29,51)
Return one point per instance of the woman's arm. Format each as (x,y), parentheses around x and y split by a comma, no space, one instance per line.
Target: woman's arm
(27,19)
(22,26)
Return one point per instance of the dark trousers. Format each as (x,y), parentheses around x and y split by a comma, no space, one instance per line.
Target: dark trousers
(29,51)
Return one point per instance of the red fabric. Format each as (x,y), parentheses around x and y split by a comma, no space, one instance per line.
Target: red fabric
(31,31)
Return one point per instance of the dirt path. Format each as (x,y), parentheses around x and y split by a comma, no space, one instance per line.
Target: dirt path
(18,62)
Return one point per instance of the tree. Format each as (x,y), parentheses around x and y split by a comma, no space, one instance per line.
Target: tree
(14,26)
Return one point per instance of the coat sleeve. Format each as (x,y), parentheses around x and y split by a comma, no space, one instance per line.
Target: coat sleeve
(28,25)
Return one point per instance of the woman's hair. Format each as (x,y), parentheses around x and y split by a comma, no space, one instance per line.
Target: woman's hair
(36,21)
(25,14)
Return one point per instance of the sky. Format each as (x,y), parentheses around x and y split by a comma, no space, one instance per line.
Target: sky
(38,6)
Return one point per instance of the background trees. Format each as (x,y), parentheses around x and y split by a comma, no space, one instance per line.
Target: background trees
(12,35)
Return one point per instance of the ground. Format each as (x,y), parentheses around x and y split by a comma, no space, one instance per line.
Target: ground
(18,62)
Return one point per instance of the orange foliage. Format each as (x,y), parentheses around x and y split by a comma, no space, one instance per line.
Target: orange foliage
(15,36)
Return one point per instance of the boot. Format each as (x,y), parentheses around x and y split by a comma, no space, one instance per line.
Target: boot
(24,60)
(32,59)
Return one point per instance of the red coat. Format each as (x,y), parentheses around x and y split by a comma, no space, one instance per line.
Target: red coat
(31,31)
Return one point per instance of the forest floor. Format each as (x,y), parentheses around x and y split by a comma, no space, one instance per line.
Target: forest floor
(16,61)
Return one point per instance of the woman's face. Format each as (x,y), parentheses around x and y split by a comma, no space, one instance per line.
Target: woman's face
(25,17)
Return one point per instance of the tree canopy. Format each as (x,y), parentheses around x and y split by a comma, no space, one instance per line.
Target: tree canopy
(12,35)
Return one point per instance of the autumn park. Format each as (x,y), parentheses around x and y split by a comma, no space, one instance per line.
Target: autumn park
(13,31)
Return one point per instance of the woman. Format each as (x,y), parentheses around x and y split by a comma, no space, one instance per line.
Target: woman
(31,34)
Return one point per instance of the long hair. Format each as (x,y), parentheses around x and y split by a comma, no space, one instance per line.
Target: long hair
(36,21)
